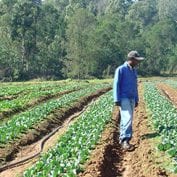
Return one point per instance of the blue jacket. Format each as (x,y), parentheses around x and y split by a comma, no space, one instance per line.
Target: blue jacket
(125,83)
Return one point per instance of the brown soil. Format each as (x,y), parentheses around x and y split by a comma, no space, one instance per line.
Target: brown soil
(141,162)
(108,160)
(8,97)
(8,152)
(169,92)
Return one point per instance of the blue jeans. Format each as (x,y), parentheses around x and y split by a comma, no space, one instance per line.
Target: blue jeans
(126,113)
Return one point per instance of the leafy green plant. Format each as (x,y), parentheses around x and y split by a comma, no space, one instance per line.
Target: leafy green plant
(20,123)
(164,117)
(74,147)
(33,94)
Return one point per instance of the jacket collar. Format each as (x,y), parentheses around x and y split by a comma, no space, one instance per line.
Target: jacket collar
(127,64)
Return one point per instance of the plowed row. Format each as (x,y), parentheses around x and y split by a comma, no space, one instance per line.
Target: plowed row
(108,159)
(8,152)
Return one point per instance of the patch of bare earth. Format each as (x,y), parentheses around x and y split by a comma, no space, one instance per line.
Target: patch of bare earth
(108,159)
(141,162)
(105,160)
(169,92)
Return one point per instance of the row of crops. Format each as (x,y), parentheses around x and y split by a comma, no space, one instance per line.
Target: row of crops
(22,122)
(14,89)
(172,83)
(36,94)
(74,147)
(25,99)
(164,118)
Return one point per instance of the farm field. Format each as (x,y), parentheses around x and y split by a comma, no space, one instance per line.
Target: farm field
(70,128)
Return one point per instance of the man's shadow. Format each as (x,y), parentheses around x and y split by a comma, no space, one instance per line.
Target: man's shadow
(149,135)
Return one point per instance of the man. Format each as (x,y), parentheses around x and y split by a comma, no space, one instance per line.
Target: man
(125,93)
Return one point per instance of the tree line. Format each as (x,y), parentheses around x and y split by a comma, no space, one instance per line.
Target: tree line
(81,39)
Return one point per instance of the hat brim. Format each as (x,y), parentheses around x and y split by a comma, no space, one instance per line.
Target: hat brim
(139,58)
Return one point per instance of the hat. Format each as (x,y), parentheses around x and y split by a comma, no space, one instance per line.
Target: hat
(134,54)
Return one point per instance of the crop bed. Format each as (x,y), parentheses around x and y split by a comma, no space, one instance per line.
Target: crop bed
(30,126)
(164,117)
(73,148)
(35,96)
(89,147)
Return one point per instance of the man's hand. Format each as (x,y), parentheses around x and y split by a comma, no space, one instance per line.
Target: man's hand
(136,104)
(117,103)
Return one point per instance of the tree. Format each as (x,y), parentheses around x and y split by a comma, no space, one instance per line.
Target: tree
(160,42)
(167,9)
(50,42)
(112,42)
(9,58)
(119,7)
(79,27)
(172,67)
(7,5)
(143,13)
(23,30)
(9,53)
(85,38)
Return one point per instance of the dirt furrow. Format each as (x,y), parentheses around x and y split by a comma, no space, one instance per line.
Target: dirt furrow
(169,92)
(141,162)
(32,149)
(105,160)
(108,159)
(8,152)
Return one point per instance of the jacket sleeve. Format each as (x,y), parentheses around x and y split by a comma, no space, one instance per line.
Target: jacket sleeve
(116,85)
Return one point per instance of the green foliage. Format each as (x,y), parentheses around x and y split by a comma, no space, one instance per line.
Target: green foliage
(167,9)
(164,116)
(22,122)
(172,152)
(85,39)
(78,61)
(74,147)
(164,147)
(143,13)
(119,7)
(160,40)
(30,96)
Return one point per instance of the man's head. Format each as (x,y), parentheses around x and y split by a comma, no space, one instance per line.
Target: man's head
(134,58)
